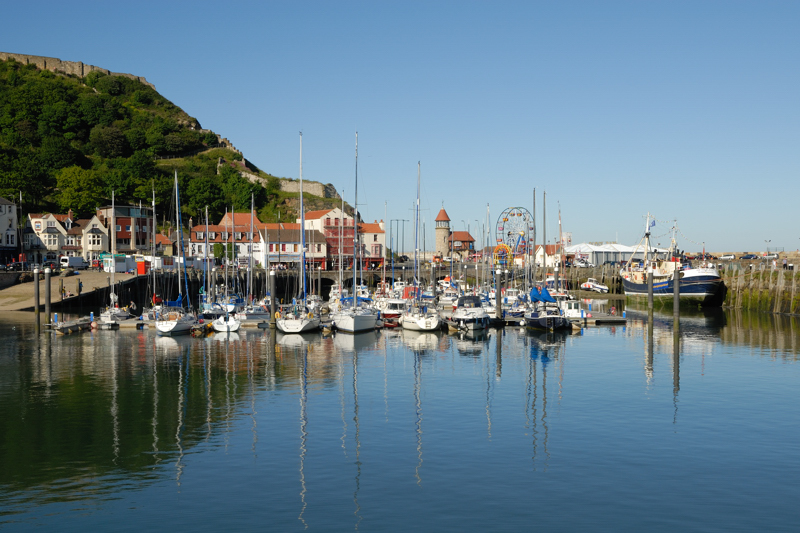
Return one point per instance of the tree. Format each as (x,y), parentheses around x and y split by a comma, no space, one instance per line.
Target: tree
(79,189)
(108,141)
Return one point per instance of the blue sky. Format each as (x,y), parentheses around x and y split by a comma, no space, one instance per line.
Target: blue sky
(687,110)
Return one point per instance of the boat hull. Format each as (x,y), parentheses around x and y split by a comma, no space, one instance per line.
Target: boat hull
(223,325)
(706,290)
(177,325)
(297,325)
(350,322)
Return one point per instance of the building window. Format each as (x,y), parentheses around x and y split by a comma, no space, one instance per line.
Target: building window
(224,235)
(200,235)
(51,224)
(127,227)
(119,228)
(337,221)
(375,238)
(319,249)
(283,247)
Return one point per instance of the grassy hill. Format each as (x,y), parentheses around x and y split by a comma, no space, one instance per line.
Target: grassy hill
(66,142)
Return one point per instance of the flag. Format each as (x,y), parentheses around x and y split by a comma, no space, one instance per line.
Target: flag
(652,223)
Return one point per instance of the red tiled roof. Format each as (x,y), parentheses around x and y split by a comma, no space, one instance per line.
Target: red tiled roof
(315,215)
(162,239)
(239,218)
(370,227)
(442,216)
(462,236)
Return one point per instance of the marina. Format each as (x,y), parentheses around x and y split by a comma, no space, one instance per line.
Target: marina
(317,429)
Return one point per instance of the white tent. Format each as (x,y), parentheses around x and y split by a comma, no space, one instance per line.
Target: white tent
(602,253)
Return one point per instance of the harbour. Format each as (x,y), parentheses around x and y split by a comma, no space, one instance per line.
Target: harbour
(305,431)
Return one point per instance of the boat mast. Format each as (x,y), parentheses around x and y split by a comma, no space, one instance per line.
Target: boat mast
(180,243)
(341,243)
(544,235)
(153,247)
(416,238)
(385,215)
(355,231)
(113,296)
(250,255)
(205,261)
(302,226)
(533,263)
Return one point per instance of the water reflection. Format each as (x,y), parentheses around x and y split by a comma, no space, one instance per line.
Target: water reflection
(105,412)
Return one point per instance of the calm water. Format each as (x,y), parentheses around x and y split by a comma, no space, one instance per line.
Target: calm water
(622,428)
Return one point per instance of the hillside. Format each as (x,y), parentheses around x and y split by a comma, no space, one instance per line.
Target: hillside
(67,141)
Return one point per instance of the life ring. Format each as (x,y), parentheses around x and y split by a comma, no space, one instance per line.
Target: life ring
(277,314)
(310,315)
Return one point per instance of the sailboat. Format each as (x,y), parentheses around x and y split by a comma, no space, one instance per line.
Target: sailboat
(298,318)
(418,316)
(544,311)
(226,323)
(175,318)
(356,318)
(113,314)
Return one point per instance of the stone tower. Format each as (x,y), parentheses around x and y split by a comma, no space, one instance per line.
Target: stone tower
(442,233)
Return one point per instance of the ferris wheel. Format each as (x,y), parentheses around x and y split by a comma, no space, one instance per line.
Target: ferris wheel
(514,228)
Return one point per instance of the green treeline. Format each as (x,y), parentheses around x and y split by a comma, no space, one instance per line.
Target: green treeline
(67,142)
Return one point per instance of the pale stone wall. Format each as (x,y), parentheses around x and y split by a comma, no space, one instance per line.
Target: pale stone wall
(311,187)
(78,68)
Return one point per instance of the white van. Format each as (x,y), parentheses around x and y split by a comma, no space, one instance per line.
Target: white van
(76,263)
(728,257)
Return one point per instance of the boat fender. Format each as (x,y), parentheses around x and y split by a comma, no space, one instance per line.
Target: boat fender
(277,314)
(310,315)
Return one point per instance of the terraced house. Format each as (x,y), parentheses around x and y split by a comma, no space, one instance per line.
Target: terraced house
(9,241)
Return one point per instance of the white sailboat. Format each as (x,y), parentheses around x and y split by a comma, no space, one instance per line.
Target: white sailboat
(175,318)
(356,318)
(226,323)
(298,318)
(114,314)
(418,316)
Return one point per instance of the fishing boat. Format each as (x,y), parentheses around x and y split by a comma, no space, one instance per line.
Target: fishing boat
(175,318)
(298,318)
(698,285)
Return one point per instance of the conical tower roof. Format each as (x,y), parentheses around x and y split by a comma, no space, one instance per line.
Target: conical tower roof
(442,216)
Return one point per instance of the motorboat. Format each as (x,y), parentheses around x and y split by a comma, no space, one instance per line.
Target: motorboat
(592,284)
(469,314)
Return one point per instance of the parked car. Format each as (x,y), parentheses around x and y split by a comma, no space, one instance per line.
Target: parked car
(771,256)
(747,257)
(52,265)
(19,266)
(727,257)
(583,263)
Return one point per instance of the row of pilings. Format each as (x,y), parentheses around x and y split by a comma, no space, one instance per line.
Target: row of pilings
(756,287)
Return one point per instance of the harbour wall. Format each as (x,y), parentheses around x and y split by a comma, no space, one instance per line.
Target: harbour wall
(758,288)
